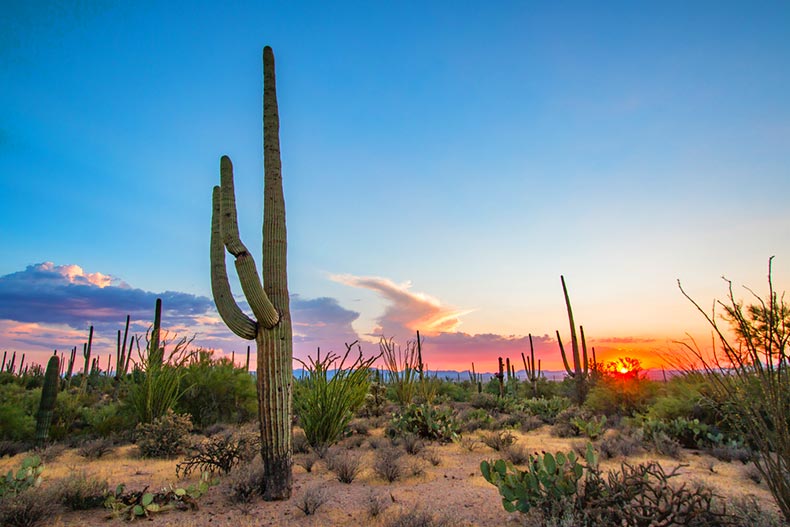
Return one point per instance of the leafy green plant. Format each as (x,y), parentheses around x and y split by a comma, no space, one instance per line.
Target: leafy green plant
(546,409)
(156,384)
(425,421)
(215,390)
(325,403)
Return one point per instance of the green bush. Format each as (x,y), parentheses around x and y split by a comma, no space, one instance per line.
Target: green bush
(427,422)
(216,391)
(546,409)
(164,437)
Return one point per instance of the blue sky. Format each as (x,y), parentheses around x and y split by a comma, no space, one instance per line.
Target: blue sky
(473,150)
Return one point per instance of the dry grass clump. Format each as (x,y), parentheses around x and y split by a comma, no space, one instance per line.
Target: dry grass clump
(299,442)
(412,444)
(78,492)
(516,454)
(306,461)
(311,500)
(619,445)
(95,449)
(28,509)
(345,465)
(418,518)
(376,504)
(387,464)
(499,441)
(245,482)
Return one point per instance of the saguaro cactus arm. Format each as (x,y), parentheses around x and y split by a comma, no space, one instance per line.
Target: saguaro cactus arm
(229,311)
(574,340)
(261,305)
(571,371)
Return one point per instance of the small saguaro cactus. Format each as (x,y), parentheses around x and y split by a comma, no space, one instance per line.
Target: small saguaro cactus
(271,328)
(580,372)
(501,377)
(86,352)
(49,393)
(533,374)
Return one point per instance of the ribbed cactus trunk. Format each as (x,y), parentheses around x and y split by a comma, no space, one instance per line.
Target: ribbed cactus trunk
(49,393)
(269,302)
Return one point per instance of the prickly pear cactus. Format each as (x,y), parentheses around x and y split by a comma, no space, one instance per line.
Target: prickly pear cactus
(548,477)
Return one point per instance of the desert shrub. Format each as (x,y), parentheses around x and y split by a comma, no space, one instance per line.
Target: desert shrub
(499,441)
(325,405)
(17,411)
(12,448)
(425,421)
(475,419)
(375,504)
(344,465)
(245,482)
(215,390)
(564,422)
(432,456)
(753,473)
(299,442)
(28,509)
(166,436)
(219,453)
(454,391)
(387,464)
(376,443)
(487,402)
(49,453)
(311,500)
(359,427)
(95,448)
(412,444)
(79,492)
(417,518)
(306,461)
(619,445)
(546,409)
(516,454)
(623,394)
(729,452)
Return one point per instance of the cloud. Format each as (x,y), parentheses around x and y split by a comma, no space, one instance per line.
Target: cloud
(321,322)
(406,311)
(65,294)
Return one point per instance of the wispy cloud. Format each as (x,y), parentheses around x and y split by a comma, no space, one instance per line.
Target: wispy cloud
(406,310)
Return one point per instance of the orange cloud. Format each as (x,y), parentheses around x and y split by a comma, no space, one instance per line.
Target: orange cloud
(406,311)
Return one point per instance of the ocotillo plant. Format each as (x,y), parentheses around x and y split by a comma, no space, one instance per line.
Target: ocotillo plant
(533,374)
(269,302)
(580,372)
(47,405)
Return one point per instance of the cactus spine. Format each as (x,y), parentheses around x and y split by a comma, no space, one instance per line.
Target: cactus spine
(580,372)
(533,374)
(269,302)
(48,395)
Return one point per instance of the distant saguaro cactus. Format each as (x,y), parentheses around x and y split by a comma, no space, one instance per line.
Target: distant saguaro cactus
(580,372)
(269,302)
(533,374)
(48,395)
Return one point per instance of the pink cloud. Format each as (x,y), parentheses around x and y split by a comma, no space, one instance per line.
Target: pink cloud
(406,311)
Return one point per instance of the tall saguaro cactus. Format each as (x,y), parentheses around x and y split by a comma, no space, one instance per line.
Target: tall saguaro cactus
(580,372)
(49,393)
(271,328)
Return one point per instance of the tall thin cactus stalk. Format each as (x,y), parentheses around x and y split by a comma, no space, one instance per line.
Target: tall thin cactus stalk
(122,356)
(86,353)
(271,328)
(533,374)
(580,372)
